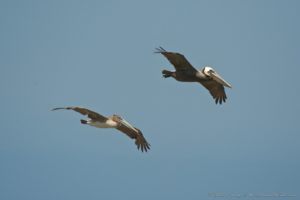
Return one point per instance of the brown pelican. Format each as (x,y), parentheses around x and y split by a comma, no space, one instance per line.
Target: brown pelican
(114,121)
(185,72)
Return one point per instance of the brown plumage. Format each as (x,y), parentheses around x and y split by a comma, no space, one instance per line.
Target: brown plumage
(114,121)
(185,72)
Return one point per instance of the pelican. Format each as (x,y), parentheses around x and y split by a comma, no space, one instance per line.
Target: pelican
(114,121)
(185,72)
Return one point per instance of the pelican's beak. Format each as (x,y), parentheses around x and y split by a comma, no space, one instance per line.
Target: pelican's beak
(128,125)
(219,79)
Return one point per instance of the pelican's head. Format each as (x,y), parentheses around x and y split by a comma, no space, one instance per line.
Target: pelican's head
(117,118)
(210,72)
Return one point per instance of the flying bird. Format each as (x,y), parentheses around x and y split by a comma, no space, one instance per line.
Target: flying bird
(185,72)
(114,121)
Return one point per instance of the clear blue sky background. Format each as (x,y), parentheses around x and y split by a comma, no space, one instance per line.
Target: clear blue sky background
(99,54)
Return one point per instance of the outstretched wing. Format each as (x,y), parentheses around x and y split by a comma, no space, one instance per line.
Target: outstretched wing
(134,133)
(176,59)
(84,111)
(216,90)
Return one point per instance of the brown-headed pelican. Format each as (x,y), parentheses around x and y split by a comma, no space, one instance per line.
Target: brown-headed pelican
(185,72)
(114,121)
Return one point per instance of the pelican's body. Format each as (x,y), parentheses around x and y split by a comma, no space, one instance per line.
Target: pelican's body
(186,75)
(107,124)
(185,72)
(114,121)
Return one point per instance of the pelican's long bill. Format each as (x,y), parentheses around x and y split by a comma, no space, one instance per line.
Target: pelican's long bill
(219,79)
(128,125)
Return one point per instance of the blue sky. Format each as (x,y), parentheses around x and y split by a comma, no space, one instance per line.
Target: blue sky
(99,54)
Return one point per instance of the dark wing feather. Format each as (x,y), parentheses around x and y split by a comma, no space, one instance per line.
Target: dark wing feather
(136,134)
(216,90)
(84,111)
(176,59)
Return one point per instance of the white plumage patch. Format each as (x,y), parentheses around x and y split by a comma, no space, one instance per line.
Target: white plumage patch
(108,124)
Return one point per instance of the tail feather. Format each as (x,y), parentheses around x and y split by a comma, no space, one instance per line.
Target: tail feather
(83,121)
(167,73)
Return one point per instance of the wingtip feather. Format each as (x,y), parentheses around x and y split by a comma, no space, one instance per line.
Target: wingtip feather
(159,50)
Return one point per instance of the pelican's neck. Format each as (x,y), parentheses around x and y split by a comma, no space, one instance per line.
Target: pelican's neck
(200,75)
